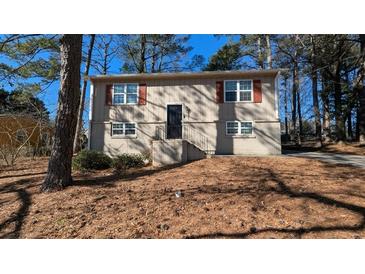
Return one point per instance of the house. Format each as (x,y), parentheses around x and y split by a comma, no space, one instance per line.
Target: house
(24,131)
(184,116)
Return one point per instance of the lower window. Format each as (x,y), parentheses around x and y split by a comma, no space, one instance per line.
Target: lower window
(244,128)
(123,129)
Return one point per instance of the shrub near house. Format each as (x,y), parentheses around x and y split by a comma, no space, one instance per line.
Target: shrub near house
(96,160)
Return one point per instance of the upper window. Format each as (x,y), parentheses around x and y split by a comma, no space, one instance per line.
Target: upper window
(125,94)
(239,128)
(238,91)
(21,135)
(123,129)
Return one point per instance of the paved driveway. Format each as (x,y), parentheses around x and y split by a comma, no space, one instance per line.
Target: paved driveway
(332,158)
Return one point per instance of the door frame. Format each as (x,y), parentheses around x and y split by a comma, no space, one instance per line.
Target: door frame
(182,116)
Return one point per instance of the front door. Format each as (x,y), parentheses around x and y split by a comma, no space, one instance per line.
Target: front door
(174,122)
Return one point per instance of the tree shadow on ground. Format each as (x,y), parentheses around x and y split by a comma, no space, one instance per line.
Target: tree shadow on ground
(283,189)
(262,181)
(20,188)
(16,219)
(109,180)
(23,175)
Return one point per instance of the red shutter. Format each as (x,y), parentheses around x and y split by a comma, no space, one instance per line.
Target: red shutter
(257,91)
(219,92)
(109,95)
(142,100)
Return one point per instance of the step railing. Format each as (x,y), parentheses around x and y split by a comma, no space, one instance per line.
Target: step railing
(190,134)
(160,133)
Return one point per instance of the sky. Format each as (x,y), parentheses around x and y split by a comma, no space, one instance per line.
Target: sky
(203,44)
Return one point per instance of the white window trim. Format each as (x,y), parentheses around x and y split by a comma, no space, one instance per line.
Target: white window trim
(237,91)
(123,135)
(239,128)
(125,94)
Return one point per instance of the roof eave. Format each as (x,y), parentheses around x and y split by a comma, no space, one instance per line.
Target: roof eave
(185,75)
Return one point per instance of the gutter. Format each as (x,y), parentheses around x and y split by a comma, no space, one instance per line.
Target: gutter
(186,75)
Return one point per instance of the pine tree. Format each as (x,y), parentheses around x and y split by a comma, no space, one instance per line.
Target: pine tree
(229,57)
(59,167)
(146,53)
(29,57)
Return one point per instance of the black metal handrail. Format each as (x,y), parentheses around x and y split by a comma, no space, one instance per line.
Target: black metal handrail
(190,134)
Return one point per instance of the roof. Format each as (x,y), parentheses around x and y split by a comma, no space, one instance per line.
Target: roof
(186,75)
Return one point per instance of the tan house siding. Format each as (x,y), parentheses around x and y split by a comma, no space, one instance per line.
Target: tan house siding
(200,110)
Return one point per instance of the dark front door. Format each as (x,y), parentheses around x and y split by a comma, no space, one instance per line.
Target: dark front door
(174,121)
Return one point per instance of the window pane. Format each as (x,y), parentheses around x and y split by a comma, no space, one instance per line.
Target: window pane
(21,135)
(118,98)
(245,96)
(118,89)
(232,130)
(130,132)
(132,88)
(231,96)
(130,129)
(230,85)
(117,126)
(131,98)
(232,124)
(130,126)
(245,85)
(232,127)
(246,128)
(117,131)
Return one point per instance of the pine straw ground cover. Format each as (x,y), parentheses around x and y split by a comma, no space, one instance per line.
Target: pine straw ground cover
(349,148)
(231,197)
(340,148)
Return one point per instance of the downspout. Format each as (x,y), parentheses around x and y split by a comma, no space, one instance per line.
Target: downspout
(91,105)
(276,96)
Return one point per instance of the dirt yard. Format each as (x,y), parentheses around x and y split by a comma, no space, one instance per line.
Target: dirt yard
(272,197)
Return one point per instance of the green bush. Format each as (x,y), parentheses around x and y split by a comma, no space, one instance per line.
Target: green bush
(125,161)
(91,159)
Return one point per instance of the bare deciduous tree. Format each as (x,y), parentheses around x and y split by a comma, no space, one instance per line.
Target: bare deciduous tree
(77,140)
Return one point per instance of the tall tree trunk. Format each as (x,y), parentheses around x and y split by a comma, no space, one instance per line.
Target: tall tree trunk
(340,125)
(154,55)
(300,133)
(350,134)
(105,60)
(59,166)
(326,110)
(77,140)
(142,59)
(260,60)
(286,106)
(357,132)
(268,51)
(362,92)
(294,98)
(314,75)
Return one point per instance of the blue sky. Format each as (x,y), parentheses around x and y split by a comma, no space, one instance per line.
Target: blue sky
(204,44)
